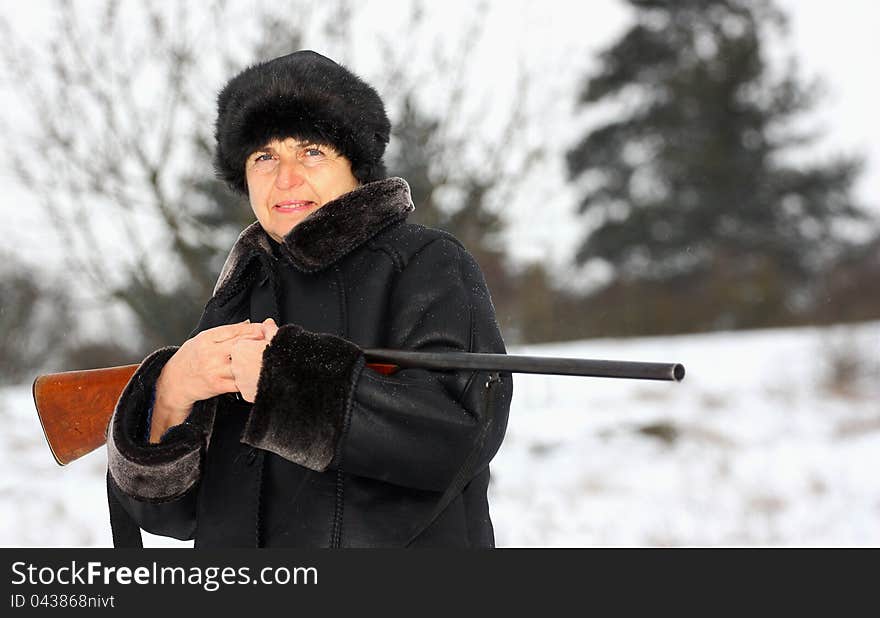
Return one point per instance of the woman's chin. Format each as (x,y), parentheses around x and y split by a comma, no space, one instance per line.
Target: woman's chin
(279,231)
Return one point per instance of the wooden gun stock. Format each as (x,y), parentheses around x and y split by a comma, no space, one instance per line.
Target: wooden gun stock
(75,406)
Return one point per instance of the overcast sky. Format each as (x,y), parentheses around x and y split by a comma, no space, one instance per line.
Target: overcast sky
(836,42)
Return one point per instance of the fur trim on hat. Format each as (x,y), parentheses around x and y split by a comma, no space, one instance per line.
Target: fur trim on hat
(303,95)
(304,394)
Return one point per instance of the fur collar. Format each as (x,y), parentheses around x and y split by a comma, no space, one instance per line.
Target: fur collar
(325,236)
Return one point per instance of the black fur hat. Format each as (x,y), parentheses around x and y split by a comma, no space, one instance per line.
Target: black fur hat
(306,96)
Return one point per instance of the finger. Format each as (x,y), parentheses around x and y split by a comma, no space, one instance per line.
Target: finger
(222,378)
(229,386)
(269,328)
(231,331)
(254,335)
(225,372)
(224,348)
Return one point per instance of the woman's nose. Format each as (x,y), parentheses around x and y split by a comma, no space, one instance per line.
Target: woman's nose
(289,174)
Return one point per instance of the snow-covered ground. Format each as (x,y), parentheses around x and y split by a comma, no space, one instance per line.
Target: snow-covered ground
(773,439)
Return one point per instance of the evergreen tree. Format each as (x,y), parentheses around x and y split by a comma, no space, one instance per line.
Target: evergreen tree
(690,190)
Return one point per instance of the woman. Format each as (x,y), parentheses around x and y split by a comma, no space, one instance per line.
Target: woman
(255,434)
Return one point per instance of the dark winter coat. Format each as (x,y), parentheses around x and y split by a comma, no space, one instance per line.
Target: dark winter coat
(331,453)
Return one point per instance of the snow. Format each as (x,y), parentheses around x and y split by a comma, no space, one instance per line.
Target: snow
(759,446)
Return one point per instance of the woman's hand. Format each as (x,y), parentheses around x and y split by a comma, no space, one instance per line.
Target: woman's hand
(247,360)
(200,369)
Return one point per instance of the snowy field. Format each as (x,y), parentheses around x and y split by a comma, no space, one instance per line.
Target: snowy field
(773,439)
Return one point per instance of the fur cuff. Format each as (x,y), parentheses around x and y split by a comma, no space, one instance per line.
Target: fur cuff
(303,396)
(155,472)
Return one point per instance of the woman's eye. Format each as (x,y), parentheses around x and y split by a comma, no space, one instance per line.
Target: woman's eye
(313,152)
(263,157)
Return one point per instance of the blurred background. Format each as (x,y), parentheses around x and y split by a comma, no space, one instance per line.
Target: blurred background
(688,181)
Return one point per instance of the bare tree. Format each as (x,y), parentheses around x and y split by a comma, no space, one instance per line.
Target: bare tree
(122,120)
(27,307)
(123,117)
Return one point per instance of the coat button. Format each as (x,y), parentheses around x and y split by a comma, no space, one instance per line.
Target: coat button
(251,456)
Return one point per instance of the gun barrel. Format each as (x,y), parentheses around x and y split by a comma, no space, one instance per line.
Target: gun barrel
(75,406)
(673,372)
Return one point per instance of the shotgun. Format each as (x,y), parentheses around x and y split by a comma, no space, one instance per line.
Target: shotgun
(75,407)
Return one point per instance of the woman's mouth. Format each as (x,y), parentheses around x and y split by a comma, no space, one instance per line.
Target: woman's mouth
(293,206)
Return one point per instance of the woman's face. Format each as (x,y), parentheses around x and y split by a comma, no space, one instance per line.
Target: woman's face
(289,179)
